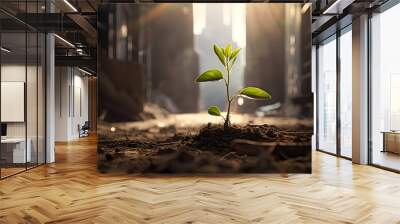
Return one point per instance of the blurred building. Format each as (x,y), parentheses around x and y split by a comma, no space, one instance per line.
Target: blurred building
(217,29)
(171,62)
(265,53)
(121,73)
(147,55)
(277,59)
(299,98)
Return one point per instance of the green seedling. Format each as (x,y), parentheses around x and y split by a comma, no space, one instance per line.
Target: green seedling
(227,57)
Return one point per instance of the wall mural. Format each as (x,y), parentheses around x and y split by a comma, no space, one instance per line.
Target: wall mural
(205,88)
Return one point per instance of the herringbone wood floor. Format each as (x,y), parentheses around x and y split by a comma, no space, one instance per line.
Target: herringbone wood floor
(72,191)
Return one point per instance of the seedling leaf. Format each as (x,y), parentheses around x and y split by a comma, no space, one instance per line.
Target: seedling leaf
(214,110)
(235,53)
(210,75)
(228,50)
(227,56)
(255,93)
(220,54)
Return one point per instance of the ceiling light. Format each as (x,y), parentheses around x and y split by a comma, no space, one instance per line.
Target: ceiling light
(240,101)
(84,71)
(124,30)
(65,41)
(5,50)
(305,7)
(338,6)
(70,5)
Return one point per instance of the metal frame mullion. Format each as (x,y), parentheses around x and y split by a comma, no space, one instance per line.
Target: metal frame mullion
(369,75)
(338,94)
(317,97)
(0,92)
(37,91)
(26,87)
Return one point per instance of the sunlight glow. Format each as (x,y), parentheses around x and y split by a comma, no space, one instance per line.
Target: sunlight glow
(240,101)
(226,14)
(199,18)
(124,31)
(233,15)
(239,24)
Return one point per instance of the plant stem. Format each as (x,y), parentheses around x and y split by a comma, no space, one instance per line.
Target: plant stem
(227,123)
(228,120)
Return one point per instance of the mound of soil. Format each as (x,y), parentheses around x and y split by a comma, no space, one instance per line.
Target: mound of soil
(239,149)
(218,138)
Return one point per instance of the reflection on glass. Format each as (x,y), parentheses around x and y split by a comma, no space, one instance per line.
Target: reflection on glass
(346,94)
(15,151)
(327,96)
(385,114)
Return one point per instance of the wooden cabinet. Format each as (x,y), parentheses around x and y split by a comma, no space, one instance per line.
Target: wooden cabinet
(391,142)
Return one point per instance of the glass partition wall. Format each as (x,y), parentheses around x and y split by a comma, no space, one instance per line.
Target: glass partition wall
(334,93)
(327,95)
(345,92)
(22,98)
(385,89)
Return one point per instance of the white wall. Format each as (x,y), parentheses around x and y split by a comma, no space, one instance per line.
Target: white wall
(16,73)
(62,82)
(71,102)
(12,73)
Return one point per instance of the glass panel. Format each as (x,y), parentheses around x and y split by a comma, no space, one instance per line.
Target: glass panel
(346,94)
(41,98)
(327,96)
(385,84)
(32,95)
(314,89)
(14,154)
(32,88)
(2,160)
(22,89)
(13,89)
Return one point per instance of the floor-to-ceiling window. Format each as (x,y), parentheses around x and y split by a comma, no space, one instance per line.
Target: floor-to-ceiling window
(345,90)
(334,93)
(326,84)
(385,89)
(22,88)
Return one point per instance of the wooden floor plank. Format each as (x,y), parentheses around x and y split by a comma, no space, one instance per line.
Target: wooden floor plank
(72,191)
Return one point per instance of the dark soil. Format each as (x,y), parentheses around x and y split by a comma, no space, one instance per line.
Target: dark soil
(244,149)
(217,138)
